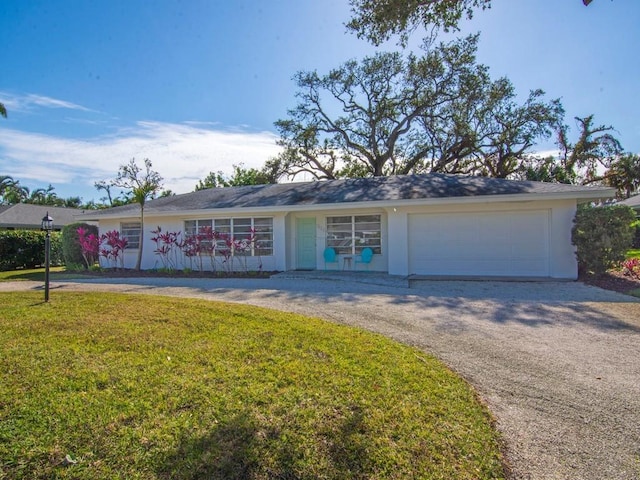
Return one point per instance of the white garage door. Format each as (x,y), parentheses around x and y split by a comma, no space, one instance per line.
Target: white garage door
(484,244)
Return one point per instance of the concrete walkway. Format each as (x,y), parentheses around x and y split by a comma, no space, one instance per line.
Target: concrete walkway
(558,364)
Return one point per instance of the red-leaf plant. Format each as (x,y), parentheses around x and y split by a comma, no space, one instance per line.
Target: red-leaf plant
(167,244)
(631,267)
(190,247)
(114,245)
(89,246)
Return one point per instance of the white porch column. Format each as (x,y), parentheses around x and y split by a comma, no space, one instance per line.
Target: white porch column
(280,242)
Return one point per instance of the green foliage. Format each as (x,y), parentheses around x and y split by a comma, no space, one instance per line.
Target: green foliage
(146,388)
(25,249)
(141,185)
(392,115)
(378,20)
(241,177)
(624,175)
(602,236)
(636,236)
(71,245)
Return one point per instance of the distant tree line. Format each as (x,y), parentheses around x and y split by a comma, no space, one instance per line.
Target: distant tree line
(12,192)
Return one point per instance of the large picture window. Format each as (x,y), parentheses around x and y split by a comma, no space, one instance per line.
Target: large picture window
(349,234)
(238,229)
(131,231)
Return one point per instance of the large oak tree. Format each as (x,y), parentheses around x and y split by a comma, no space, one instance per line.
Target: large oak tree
(386,115)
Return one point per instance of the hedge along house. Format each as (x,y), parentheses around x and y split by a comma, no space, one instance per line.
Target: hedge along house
(432,225)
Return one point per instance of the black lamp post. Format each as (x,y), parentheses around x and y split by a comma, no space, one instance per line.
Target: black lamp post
(47,226)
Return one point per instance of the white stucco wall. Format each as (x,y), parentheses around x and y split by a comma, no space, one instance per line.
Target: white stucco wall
(151,260)
(394,258)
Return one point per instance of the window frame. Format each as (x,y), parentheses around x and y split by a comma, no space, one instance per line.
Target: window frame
(238,228)
(349,238)
(126,228)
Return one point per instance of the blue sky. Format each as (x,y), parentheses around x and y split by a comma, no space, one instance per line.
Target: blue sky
(195,85)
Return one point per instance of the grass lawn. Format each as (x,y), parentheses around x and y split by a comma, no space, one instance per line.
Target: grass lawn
(634,253)
(36,274)
(142,387)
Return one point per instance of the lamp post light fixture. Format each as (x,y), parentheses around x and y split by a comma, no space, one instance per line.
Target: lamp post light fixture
(47,226)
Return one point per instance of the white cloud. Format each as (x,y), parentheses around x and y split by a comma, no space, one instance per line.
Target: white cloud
(48,102)
(181,153)
(22,103)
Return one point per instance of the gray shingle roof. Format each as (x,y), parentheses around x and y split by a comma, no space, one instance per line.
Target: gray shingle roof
(633,202)
(29,216)
(376,189)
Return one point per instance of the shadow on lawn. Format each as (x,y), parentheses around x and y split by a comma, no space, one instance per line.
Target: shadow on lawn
(245,447)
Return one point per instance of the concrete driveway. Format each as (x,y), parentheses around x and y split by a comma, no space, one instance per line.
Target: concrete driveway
(558,364)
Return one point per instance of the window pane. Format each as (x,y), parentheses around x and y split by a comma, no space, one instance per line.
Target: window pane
(222,225)
(349,235)
(263,222)
(340,234)
(131,231)
(190,227)
(367,233)
(263,236)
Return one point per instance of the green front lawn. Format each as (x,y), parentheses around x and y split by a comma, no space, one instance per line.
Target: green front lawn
(36,274)
(144,387)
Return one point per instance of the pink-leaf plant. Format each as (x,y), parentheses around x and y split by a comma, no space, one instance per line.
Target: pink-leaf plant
(89,246)
(190,248)
(227,252)
(631,267)
(167,244)
(208,238)
(114,246)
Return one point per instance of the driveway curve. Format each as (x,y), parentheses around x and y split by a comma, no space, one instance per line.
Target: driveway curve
(558,364)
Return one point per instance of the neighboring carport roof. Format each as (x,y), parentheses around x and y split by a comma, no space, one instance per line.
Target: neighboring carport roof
(633,202)
(29,216)
(356,190)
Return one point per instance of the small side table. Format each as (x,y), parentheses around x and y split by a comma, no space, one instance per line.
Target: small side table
(347,262)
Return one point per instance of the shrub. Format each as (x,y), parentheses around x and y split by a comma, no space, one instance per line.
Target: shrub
(71,248)
(25,249)
(602,236)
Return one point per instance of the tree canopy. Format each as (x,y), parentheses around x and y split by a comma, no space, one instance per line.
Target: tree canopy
(11,193)
(584,161)
(379,20)
(385,115)
(241,176)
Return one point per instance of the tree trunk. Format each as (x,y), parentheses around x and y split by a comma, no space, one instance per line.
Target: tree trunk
(141,243)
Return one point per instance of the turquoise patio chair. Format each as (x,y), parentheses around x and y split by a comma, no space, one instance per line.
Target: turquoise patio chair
(330,256)
(365,257)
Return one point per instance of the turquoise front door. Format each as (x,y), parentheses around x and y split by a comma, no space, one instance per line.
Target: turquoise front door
(306,244)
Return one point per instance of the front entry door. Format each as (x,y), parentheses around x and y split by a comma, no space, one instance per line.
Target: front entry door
(306,244)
